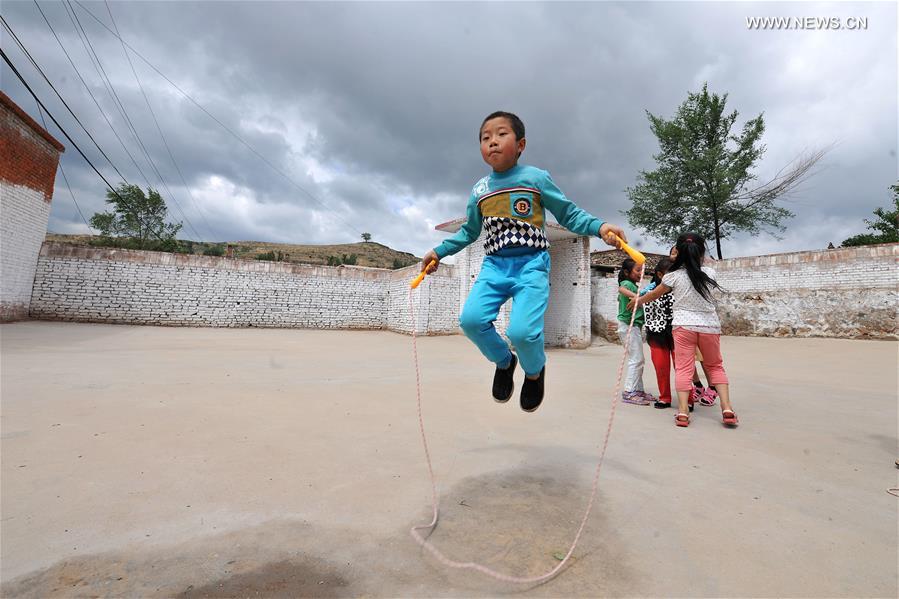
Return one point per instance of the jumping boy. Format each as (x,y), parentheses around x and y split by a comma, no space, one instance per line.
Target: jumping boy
(510,204)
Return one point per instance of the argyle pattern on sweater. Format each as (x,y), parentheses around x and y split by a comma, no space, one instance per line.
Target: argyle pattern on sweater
(508,232)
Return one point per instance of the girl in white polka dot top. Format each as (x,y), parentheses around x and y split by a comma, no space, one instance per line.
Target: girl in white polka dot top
(695,324)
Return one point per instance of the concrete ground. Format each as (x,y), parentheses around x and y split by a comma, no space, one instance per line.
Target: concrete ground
(151,462)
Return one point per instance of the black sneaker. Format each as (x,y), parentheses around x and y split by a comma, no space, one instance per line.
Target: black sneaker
(503,384)
(532,392)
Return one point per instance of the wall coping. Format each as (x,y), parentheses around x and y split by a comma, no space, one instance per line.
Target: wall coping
(880,250)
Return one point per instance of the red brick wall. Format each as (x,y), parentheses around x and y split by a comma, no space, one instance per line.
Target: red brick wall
(28,154)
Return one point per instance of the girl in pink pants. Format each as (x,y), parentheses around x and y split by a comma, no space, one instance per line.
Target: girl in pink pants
(695,324)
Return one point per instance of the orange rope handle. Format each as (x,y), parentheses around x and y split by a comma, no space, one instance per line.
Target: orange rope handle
(637,256)
(421,277)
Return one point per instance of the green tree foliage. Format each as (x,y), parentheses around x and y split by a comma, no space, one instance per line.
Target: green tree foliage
(138,218)
(272,256)
(366,237)
(343,259)
(885,225)
(703,181)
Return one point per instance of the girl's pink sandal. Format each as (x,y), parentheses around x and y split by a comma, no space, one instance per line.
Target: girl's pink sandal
(708,397)
(729,418)
(681,419)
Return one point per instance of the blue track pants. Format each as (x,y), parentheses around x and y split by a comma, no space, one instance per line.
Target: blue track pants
(526,280)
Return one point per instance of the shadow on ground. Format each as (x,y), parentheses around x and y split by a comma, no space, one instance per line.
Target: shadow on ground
(512,521)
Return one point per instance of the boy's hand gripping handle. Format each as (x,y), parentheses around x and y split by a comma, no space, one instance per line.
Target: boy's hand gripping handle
(421,277)
(637,256)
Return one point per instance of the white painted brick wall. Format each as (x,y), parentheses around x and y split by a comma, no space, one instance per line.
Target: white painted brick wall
(23,224)
(192,295)
(436,301)
(852,293)
(122,286)
(567,320)
(94,285)
(846,268)
(604,300)
(847,292)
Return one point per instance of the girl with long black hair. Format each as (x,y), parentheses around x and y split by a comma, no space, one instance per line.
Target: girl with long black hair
(694,324)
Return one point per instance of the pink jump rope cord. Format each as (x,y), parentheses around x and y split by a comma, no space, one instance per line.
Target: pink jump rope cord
(476,566)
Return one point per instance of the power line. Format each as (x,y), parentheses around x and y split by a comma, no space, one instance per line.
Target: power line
(107,82)
(158,128)
(98,67)
(124,112)
(91,93)
(225,127)
(75,116)
(69,137)
(66,179)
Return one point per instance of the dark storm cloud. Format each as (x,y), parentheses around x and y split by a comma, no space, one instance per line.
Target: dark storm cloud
(373,108)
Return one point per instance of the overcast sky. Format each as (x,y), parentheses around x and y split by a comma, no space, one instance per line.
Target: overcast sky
(372,109)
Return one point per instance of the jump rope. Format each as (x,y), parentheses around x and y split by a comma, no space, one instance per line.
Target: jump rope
(414,531)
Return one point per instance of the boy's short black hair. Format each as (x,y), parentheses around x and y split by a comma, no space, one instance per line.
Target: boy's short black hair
(517,125)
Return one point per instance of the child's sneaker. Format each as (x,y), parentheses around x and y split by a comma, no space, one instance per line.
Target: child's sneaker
(634,397)
(503,383)
(708,397)
(532,392)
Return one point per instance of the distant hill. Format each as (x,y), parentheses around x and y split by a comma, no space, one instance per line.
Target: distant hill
(367,253)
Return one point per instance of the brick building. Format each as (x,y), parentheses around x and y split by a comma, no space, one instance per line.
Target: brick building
(28,160)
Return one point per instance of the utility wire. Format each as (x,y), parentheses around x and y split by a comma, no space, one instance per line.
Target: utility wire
(98,67)
(158,128)
(69,137)
(124,112)
(91,93)
(75,116)
(107,82)
(66,179)
(225,127)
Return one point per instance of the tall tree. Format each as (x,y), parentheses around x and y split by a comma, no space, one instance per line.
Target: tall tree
(885,225)
(136,216)
(366,237)
(704,182)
